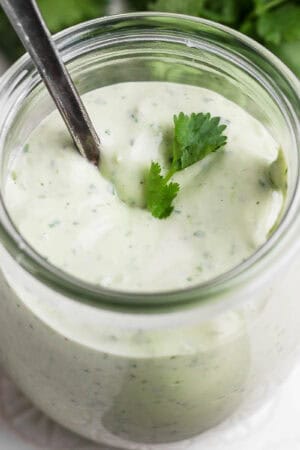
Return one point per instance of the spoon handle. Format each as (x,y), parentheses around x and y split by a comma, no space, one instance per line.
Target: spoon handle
(29,25)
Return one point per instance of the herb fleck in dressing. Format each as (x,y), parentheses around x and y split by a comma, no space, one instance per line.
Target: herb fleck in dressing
(94,226)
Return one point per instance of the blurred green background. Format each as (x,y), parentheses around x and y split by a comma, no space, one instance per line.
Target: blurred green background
(275,23)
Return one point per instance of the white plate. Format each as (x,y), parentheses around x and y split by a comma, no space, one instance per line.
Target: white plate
(275,427)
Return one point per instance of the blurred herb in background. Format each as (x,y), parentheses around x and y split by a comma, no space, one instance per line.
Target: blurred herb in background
(58,14)
(275,23)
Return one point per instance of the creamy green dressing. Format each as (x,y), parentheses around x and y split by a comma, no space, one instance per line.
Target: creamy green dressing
(123,378)
(93,225)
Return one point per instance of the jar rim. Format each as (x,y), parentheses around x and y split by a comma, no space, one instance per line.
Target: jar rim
(79,290)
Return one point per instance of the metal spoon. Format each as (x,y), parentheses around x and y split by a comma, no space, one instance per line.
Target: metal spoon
(29,25)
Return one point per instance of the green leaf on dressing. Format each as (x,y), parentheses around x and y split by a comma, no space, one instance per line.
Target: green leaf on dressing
(195,137)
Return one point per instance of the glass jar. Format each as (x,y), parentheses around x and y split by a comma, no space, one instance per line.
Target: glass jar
(128,369)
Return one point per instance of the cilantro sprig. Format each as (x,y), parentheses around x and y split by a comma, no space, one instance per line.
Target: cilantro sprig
(275,23)
(159,193)
(195,137)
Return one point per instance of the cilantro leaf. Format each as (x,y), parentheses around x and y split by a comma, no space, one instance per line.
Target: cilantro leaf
(280,25)
(59,14)
(218,10)
(261,6)
(159,193)
(289,52)
(195,137)
(192,7)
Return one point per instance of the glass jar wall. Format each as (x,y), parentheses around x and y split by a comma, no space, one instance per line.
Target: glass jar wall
(125,369)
